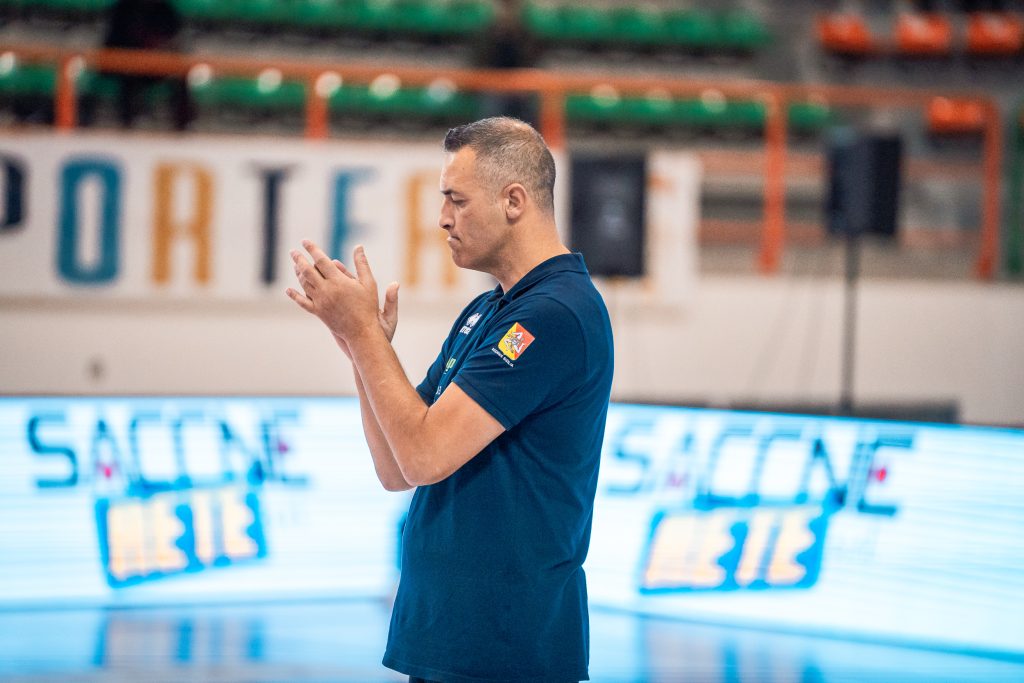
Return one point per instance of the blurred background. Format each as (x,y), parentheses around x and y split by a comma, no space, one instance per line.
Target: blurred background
(805,217)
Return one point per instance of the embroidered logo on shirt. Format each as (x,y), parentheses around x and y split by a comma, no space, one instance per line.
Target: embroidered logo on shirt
(515,341)
(470,321)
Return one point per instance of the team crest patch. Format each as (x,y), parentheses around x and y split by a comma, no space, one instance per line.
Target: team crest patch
(515,341)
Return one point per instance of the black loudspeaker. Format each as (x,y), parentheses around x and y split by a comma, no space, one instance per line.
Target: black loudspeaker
(863,183)
(609,203)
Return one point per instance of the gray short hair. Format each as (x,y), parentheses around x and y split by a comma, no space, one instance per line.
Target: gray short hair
(508,151)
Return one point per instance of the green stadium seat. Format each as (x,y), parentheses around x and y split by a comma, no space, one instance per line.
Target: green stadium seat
(696,113)
(416,16)
(642,27)
(348,99)
(360,100)
(94,87)
(27,80)
(325,15)
(691,29)
(608,108)
(744,114)
(591,108)
(313,15)
(637,26)
(37,82)
(264,13)
(202,11)
(373,15)
(721,115)
(661,110)
(809,117)
(585,24)
(455,105)
(102,86)
(468,16)
(651,110)
(401,102)
(543,21)
(742,31)
(251,94)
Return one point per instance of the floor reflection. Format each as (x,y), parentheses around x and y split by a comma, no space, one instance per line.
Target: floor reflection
(343,641)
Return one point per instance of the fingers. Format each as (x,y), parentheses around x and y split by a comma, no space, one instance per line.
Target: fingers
(324,268)
(304,302)
(321,261)
(363,272)
(389,315)
(307,276)
(344,271)
(391,301)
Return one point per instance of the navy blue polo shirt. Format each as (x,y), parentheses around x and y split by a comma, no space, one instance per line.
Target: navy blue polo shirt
(492,585)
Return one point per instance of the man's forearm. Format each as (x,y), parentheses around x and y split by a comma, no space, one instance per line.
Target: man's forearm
(395,407)
(387,469)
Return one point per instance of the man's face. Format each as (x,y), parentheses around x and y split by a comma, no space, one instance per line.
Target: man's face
(471,213)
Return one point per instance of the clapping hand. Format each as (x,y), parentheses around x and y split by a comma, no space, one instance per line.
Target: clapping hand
(347,303)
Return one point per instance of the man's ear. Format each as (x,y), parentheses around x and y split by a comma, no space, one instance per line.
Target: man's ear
(515,201)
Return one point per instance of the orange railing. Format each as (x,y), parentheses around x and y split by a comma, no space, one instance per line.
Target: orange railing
(552,87)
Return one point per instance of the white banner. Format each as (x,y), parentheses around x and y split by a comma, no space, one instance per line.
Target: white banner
(193,218)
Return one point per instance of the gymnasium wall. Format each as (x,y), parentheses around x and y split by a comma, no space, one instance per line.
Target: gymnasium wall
(917,343)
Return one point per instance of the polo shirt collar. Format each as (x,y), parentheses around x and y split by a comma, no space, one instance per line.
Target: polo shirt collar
(572,262)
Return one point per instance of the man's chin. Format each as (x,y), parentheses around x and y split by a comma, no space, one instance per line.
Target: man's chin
(464,263)
(458,258)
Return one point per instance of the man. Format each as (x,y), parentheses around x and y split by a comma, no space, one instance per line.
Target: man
(147,25)
(502,438)
(507,43)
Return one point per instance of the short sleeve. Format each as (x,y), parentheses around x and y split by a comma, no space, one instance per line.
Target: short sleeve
(529,359)
(428,386)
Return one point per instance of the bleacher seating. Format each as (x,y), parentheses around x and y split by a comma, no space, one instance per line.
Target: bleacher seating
(695,29)
(923,34)
(711,113)
(428,18)
(958,117)
(266,94)
(742,31)
(643,28)
(845,33)
(385,98)
(991,34)
(26,80)
(691,29)
(552,23)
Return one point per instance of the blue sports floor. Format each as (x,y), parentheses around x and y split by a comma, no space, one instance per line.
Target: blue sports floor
(343,641)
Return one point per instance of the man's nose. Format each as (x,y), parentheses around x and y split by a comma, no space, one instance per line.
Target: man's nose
(444,220)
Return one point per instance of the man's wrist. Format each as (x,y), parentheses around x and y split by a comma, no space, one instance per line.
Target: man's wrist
(365,335)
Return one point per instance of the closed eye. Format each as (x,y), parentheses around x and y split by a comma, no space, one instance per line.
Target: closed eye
(456,201)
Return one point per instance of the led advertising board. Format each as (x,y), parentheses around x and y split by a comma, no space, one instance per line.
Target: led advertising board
(905,532)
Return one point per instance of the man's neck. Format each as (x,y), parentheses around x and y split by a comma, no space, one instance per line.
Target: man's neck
(516,266)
